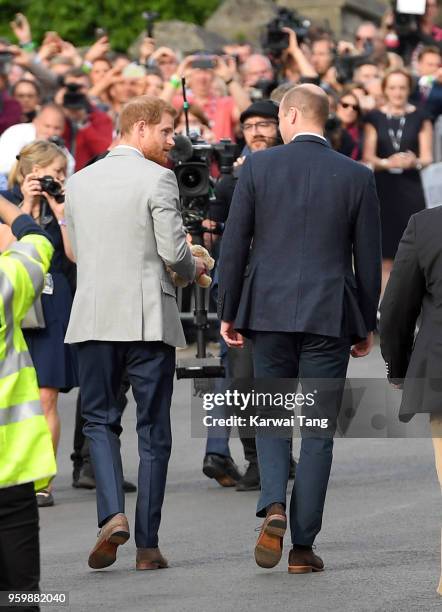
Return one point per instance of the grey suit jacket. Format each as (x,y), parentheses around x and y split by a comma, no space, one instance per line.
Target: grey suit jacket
(123,220)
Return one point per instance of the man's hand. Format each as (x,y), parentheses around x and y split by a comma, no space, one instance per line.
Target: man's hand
(147,47)
(21,28)
(225,68)
(362,349)
(98,49)
(232,338)
(200,267)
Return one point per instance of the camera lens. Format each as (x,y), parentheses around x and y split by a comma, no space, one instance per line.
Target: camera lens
(191,178)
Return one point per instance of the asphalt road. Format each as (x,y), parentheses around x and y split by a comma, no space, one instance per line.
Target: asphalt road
(380,539)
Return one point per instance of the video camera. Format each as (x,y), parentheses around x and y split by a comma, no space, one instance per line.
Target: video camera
(193,158)
(274,41)
(407,24)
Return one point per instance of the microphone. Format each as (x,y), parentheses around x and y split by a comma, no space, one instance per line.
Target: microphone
(183,149)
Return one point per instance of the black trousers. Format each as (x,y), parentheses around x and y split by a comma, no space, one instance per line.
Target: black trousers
(19,541)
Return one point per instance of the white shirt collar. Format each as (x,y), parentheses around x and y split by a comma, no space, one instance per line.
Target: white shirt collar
(120,146)
(309,134)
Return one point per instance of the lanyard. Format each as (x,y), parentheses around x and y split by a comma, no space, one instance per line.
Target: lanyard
(396,137)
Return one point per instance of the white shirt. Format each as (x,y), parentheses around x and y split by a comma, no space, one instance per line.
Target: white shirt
(14,139)
(309,134)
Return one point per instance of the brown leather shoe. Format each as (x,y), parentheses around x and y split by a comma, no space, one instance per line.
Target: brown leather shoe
(114,533)
(150,559)
(268,549)
(303,561)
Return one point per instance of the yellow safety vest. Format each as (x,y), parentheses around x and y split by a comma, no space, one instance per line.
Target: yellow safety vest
(26,451)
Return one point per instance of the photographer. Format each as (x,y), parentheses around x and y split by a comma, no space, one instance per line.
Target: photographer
(260,128)
(200,71)
(54,361)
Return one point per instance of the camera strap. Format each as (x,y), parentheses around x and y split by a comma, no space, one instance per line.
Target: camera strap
(396,136)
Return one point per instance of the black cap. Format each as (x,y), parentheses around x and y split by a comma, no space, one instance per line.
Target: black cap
(263,108)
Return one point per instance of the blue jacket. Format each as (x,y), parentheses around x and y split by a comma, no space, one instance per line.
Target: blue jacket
(301,248)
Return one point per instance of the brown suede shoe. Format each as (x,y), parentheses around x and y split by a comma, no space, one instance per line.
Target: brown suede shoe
(114,533)
(268,549)
(303,561)
(150,559)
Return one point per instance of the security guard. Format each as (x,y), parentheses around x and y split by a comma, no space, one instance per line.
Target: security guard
(27,461)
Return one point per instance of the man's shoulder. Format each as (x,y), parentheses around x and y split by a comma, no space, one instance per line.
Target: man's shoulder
(134,165)
(428,218)
(20,130)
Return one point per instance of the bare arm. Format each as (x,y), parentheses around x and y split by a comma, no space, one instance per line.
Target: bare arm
(426,144)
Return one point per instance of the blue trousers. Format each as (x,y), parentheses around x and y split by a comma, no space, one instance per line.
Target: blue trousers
(312,358)
(150,367)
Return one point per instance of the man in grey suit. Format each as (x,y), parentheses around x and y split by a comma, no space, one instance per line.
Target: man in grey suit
(124,223)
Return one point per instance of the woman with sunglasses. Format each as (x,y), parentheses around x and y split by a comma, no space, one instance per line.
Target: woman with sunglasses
(397,145)
(349,113)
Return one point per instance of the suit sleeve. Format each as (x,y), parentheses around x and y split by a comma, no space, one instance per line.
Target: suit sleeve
(168,227)
(235,245)
(367,253)
(401,306)
(70,224)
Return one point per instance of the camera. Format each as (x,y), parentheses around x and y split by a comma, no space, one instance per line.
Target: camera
(52,188)
(407,24)
(274,41)
(346,63)
(193,158)
(6,59)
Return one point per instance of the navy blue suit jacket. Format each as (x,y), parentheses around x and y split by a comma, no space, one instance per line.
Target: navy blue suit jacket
(301,250)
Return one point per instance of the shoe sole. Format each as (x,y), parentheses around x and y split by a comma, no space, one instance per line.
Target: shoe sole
(268,550)
(243,489)
(106,553)
(303,569)
(222,479)
(150,566)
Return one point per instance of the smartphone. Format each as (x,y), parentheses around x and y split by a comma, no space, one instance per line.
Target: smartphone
(100,32)
(204,63)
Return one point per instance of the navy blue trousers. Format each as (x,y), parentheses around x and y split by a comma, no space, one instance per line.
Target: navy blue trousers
(150,367)
(312,359)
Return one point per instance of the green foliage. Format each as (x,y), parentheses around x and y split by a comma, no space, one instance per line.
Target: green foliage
(76,20)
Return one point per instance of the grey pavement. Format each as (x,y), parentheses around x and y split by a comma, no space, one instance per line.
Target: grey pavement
(380,539)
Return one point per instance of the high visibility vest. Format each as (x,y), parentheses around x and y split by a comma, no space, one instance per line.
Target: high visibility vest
(26,451)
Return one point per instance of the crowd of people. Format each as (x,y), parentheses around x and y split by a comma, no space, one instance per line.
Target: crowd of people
(60,109)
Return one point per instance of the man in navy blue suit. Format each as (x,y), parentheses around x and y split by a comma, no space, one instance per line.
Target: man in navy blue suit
(300,272)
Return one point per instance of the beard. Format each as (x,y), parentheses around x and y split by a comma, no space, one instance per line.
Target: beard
(259,144)
(157,155)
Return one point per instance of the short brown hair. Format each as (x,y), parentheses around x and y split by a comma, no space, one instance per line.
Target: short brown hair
(310,100)
(427,51)
(197,112)
(401,71)
(143,108)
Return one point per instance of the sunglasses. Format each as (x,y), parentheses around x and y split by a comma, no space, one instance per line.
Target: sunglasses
(355,107)
(363,38)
